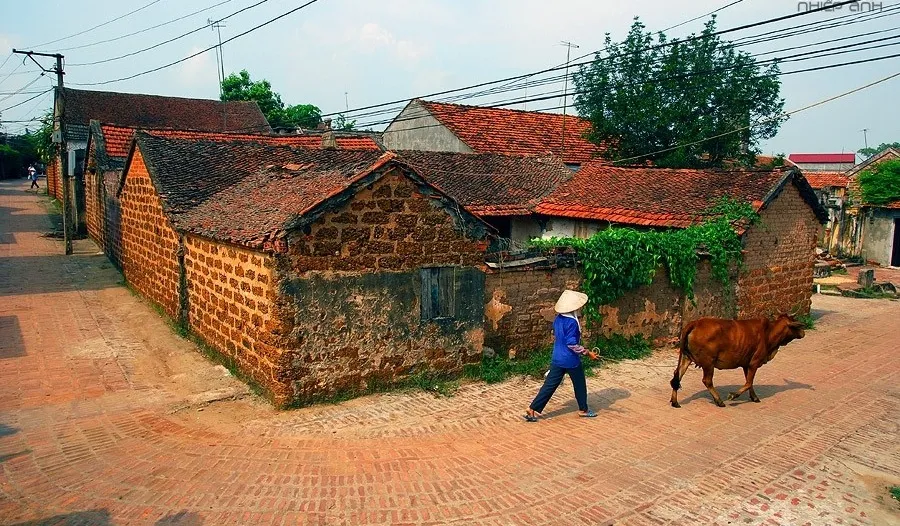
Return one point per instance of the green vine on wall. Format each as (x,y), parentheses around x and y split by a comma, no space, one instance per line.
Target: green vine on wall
(616,260)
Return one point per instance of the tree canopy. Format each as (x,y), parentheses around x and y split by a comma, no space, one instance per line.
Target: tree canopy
(239,86)
(880,184)
(681,98)
(869,152)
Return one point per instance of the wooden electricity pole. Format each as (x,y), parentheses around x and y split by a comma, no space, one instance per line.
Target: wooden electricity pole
(60,140)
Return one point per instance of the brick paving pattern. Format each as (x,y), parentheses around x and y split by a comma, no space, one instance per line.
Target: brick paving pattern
(105,418)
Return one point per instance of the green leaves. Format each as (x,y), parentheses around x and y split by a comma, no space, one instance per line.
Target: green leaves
(647,94)
(617,260)
(239,86)
(880,184)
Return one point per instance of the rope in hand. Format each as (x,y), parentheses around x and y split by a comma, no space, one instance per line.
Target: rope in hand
(594,354)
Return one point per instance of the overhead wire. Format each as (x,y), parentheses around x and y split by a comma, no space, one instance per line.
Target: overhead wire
(198,53)
(145,29)
(164,42)
(24,101)
(88,30)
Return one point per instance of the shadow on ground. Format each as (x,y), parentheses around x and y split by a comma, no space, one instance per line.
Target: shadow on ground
(78,518)
(763,391)
(182,518)
(602,400)
(45,274)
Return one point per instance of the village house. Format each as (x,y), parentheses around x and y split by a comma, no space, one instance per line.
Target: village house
(136,111)
(108,147)
(831,190)
(874,230)
(442,127)
(312,271)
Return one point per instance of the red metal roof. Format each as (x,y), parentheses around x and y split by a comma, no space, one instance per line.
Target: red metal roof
(514,132)
(823,158)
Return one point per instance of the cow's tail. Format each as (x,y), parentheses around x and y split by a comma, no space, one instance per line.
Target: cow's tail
(684,351)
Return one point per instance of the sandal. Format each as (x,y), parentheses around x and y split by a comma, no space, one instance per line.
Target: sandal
(531,417)
(587,414)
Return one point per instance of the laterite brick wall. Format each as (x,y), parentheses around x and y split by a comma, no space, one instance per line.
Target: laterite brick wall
(779,258)
(352,289)
(519,307)
(149,243)
(94,201)
(54,182)
(112,217)
(231,305)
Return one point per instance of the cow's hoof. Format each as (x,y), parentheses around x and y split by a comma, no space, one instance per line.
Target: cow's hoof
(675,404)
(733,396)
(720,403)
(757,400)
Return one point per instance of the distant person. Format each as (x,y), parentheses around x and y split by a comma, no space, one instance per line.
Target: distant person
(567,351)
(33,177)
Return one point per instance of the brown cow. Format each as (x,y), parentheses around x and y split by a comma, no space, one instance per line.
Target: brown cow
(713,343)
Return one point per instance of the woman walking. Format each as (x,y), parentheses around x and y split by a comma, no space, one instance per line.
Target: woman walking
(566,359)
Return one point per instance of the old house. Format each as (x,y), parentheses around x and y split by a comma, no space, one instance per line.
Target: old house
(441,127)
(831,190)
(108,147)
(137,111)
(312,271)
(877,233)
(823,162)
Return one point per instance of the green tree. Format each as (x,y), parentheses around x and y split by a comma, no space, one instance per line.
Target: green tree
(880,184)
(869,152)
(239,86)
(342,123)
(647,94)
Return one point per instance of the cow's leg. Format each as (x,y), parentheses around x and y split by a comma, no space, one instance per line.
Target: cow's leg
(683,363)
(750,377)
(708,382)
(748,384)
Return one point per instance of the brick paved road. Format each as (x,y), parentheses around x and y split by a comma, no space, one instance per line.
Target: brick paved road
(103,421)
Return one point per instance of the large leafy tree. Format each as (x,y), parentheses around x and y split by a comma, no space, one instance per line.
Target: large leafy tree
(239,86)
(682,98)
(869,152)
(880,184)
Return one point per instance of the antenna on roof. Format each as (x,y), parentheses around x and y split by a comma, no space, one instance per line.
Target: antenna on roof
(569,47)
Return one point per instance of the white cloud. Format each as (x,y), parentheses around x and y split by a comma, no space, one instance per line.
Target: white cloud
(199,70)
(372,37)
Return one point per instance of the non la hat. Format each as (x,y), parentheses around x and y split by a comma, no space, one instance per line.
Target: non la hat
(570,301)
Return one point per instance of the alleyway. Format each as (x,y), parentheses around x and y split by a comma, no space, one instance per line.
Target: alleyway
(107,417)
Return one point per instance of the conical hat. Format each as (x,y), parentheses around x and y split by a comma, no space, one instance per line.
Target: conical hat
(570,301)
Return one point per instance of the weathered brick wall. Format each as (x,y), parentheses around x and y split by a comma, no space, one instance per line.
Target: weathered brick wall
(351,288)
(779,259)
(54,183)
(519,307)
(94,201)
(149,243)
(231,306)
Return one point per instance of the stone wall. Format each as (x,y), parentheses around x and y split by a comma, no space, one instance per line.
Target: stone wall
(353,283)
(779,259)
(519,307)
(112,217)
(231,305)
(150,245)
(94,201)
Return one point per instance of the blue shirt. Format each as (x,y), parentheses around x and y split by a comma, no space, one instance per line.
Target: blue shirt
(565,333)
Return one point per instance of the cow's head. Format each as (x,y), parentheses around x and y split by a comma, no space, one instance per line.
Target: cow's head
(787,329)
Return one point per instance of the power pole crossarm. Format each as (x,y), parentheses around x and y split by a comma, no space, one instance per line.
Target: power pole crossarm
(58,121)
(569,47)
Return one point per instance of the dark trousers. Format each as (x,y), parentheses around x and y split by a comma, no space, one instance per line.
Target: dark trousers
(34,184)
(552,382)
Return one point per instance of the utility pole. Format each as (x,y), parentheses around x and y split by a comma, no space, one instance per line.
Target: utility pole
(60,140)
(866,137)
(346,102)
(569,47)
(218,25)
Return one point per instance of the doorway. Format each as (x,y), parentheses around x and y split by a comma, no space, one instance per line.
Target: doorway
(895,251)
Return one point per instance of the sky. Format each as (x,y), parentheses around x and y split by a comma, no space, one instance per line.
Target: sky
(340,54)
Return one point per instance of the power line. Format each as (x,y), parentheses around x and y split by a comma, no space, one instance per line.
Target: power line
(170,64)
(164,42)
(557,68)
(13,94)
(145,29)
(769,119)
(24,101)
(98,25)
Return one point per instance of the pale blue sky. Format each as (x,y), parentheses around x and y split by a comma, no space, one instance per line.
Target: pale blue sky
(392,49)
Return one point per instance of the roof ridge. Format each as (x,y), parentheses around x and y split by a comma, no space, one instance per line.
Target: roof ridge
(157,96)
(530,112)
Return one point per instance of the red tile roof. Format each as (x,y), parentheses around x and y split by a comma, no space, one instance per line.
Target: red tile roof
(155,111)
(489,184)
(823,158)
(118,139)
(661,197)
(819,180)
(514,132)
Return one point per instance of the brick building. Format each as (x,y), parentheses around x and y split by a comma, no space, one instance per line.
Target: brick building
(442,127)
(136,111)
(313,271)
(107,148)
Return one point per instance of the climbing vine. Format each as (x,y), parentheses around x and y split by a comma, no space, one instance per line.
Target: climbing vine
(617,260)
